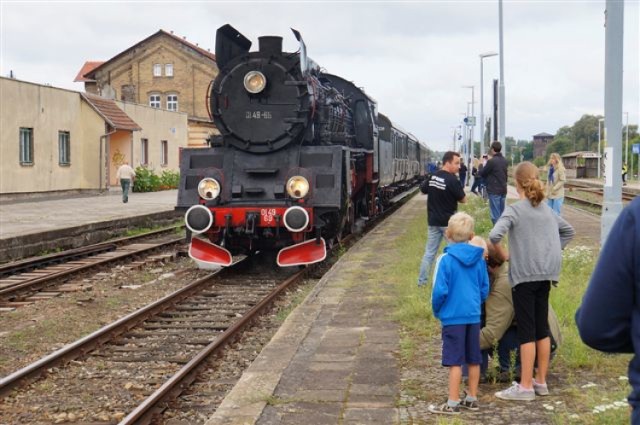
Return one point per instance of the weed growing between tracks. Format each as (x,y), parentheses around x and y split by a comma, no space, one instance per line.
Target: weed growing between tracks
(588,387)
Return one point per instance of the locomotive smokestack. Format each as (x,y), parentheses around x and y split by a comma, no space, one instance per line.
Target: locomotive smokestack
(270,44)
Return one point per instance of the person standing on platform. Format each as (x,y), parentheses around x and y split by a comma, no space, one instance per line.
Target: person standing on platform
(443,194)
(460,286)
(610,312)
(126,175)
(536,238)
(555,183)
(463,174)
(494,174)
(624,173)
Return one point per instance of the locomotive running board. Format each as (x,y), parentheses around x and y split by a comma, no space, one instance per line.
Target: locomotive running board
(208,255)
(304,253)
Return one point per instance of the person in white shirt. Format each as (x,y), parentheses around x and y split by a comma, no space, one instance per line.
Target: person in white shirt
(126,175)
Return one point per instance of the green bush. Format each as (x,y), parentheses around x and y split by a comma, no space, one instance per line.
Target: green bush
(169,180)
(147,181)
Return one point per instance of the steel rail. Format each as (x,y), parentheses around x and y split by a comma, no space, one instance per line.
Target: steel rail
(180,380)
(40,282)
(102,335)
(42,261)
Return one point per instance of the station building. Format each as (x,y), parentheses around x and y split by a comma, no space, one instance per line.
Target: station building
(58,140)
(164,71)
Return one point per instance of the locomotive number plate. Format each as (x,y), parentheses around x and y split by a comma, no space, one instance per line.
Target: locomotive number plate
(268,215)
(257,115)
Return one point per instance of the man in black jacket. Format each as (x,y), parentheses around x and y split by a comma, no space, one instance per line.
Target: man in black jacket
(495,178)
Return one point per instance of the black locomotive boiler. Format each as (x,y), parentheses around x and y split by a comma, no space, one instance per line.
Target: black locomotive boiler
(303,156)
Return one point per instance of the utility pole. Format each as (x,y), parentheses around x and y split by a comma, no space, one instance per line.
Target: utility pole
(614,44)
(501,101)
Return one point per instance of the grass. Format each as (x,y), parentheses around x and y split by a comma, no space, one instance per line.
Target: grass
(575,362)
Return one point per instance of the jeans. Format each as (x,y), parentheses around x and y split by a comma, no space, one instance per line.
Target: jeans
(434,237)
(496,206)
(477,181)
(125,183)
(507,344)
(555,204)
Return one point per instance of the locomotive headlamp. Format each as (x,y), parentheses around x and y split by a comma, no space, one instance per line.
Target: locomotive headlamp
(255,82)
(297,187)
(209,188)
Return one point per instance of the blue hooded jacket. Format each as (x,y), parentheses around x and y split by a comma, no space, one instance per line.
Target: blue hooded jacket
(460,286)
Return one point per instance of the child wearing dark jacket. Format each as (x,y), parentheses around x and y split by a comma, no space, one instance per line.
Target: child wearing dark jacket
(461,285)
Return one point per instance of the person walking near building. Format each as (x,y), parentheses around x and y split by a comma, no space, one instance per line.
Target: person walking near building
(536,238)
(460,286)
(494,174)
(555,183)
(610,312)
(126,175)
(443,194)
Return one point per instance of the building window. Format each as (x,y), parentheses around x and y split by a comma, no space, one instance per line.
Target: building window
(144,151)
(172,102)
(157,70)
(64,148)
(154,101)
(26,146)
(164,152)
(168,70)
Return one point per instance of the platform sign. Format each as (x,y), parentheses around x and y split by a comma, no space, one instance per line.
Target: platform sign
(470,121)
(635,148)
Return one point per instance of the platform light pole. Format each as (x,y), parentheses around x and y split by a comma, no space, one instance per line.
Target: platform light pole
(626,149)
(481,123)
(613,83)
(470,127)
(501,113)
(599,141)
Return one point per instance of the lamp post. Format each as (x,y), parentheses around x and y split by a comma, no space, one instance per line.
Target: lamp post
(626,149)
(599,141)
(471,130)
(501,86)
(482,56)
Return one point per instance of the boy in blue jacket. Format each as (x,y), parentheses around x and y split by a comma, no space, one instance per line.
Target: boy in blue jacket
(461,285)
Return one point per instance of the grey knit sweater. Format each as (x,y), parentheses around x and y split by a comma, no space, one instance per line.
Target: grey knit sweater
(537,236)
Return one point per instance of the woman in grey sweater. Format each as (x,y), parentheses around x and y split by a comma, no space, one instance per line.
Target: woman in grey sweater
(536,238)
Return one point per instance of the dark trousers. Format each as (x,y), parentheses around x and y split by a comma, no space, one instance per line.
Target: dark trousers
(125,183)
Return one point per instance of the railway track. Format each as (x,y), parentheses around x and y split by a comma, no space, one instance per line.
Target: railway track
(164,343)
(141,361)
(42,282)
(34,263)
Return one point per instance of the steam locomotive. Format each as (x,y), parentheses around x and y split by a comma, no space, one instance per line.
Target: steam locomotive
(303,158)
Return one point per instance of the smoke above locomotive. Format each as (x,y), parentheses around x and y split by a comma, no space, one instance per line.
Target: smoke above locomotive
(302,159)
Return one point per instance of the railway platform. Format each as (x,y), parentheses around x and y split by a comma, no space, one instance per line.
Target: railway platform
(335,359)
(29,228)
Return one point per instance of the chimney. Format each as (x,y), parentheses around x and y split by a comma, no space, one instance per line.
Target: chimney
(270,44)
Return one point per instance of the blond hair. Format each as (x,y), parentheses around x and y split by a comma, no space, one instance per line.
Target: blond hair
(526,175)
(460,227)
(480,243)
(558,158)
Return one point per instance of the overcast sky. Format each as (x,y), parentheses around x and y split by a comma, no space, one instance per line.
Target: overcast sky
(412,57)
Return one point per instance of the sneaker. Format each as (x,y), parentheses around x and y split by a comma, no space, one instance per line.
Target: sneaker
(517,393)
(540,389)
(444,409)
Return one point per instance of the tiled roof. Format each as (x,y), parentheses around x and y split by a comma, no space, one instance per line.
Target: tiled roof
(111,113)
(182,40)
(87,68)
